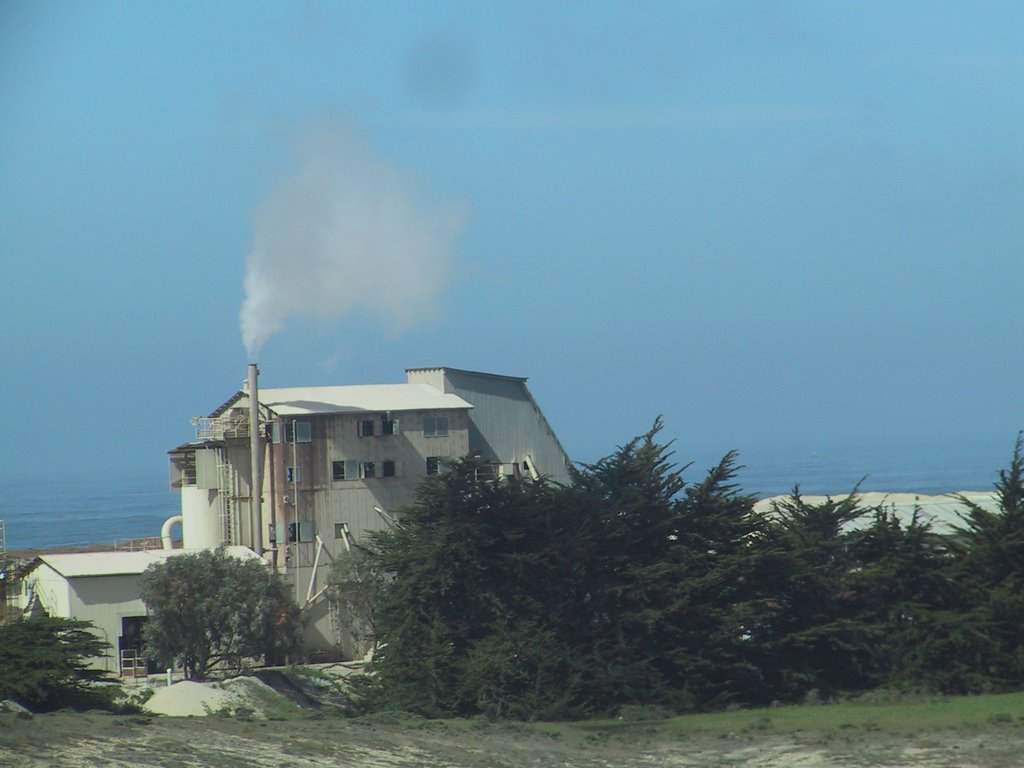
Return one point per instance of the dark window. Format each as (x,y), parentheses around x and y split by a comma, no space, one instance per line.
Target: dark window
(435,426)
(389,426)
(338,470)
(293,474)
(387,469)
(368,469)
(365,428)
(302,531)
(297,432)
(433,465)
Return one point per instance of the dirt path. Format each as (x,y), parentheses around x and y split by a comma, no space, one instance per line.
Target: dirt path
(68,740)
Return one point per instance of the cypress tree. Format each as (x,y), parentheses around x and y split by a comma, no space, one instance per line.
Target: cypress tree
(990,567)
(908,590)
(814,637)
(467,622)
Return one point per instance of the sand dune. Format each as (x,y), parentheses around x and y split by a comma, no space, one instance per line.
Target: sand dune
(943,511)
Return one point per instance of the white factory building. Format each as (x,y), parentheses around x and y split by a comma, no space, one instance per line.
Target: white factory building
(335,462)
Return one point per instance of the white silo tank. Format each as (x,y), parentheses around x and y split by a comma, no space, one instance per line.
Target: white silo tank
(201,526)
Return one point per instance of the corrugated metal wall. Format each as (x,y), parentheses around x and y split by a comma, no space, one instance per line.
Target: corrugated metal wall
(507,425)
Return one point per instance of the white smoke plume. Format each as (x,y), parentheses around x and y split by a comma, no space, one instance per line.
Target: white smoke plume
(346,232)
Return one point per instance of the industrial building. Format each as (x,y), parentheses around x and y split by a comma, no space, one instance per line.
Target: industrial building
(101,587)
(337,462)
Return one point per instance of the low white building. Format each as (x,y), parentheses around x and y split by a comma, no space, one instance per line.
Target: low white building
(103,588)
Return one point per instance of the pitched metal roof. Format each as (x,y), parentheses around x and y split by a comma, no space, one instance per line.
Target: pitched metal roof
(78,564)
(301,401)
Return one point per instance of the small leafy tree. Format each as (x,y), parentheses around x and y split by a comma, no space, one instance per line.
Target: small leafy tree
(44,661)
(210,608)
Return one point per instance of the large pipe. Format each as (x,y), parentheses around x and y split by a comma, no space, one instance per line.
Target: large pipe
(255,459)
(165,531)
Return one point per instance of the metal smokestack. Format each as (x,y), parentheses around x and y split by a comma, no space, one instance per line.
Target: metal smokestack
(255,459)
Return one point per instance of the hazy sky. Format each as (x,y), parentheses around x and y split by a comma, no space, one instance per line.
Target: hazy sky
(773,223)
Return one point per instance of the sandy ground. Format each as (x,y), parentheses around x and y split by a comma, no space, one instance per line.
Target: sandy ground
(69,740)
(943,511)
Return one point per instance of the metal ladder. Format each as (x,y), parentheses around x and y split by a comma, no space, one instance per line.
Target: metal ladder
(226,491)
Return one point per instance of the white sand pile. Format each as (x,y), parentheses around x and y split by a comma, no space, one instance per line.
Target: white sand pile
(187,698)
(190,699)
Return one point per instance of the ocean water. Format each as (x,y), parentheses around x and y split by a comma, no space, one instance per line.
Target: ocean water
(924,467)
(63,511)
(78,511)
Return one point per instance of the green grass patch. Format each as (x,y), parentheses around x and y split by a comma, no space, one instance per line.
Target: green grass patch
(1002,710)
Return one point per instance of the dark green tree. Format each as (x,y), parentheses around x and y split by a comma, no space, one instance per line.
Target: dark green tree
(468,574)
(673,583)
(814,636)
(930,633)
(210,608)
(44,661)
(629,501)
(716,595)
(990,566)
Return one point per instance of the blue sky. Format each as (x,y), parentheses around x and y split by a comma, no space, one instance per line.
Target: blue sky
(775,224)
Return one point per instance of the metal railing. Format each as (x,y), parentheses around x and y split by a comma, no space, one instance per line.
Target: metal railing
(138,545)
(221,427)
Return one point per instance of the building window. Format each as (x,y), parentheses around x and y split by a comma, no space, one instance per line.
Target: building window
(435,426)
(372,427)
(433,465)
(387,469)
(291,432)
(340,530)
(346,470)
(367,469)
(294,432)
(293,474)
(302,531)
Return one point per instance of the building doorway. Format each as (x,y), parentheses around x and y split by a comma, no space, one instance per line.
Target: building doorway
(129,648)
